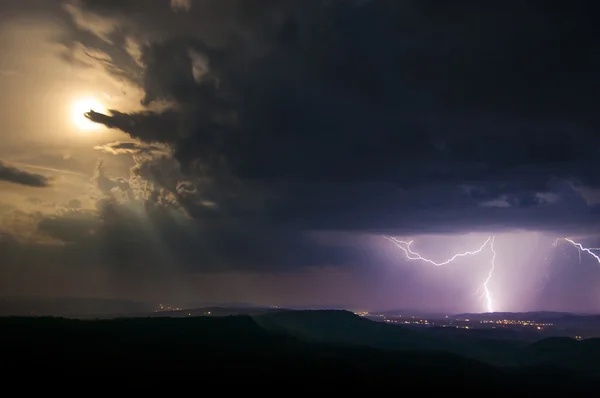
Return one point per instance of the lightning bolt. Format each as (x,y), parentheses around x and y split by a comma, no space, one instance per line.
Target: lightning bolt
(488,296)
(580,248)
(412,255)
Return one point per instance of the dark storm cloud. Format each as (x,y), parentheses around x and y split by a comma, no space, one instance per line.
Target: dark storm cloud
(163,125)
(321,96)
(285,117)
(151,222)
(146,237)
(145,229)
(22,177)
(399,91)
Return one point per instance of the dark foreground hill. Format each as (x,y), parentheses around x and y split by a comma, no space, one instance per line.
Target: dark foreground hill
(239,352)
(346,328)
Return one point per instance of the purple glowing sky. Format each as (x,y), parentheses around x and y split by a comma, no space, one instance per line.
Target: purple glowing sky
(262,151)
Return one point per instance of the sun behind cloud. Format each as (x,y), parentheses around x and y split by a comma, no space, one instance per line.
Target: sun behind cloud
(78,110)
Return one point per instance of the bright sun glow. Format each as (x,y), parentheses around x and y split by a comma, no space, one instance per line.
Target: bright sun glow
(80,107)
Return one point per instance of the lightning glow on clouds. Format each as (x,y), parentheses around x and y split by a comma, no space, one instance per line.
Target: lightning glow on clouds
(412,255)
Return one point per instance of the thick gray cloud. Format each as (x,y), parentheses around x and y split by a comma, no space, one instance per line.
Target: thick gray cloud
(385,100)
(22,177)
(286,117)
(145,229)
(391,91)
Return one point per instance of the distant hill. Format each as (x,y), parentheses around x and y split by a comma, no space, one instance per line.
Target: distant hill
(220,304)
(68,306)
(237,352)
(413,312)
(346,328)
(492,346)
(484,334)
(343,327)
(249,329)
(213,311)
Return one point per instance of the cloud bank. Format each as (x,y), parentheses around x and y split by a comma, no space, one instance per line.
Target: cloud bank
(266,122)
(387,99)
(22,177)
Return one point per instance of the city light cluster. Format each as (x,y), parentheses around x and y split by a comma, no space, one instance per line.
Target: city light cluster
(164,308)
(517,322)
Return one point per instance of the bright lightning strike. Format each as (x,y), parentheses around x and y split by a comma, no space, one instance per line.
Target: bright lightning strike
(488,297)
(580,248)
(412,255)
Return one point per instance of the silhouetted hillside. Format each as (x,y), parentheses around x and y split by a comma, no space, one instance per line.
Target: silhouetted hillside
(484,334)
(346,328)
(491,346)
(343,327)
(215,311)
(564,352)
(304,351)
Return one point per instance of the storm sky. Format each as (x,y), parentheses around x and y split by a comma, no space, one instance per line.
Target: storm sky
(260,151)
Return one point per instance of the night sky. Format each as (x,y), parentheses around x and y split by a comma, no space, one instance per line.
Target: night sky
(262,151)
